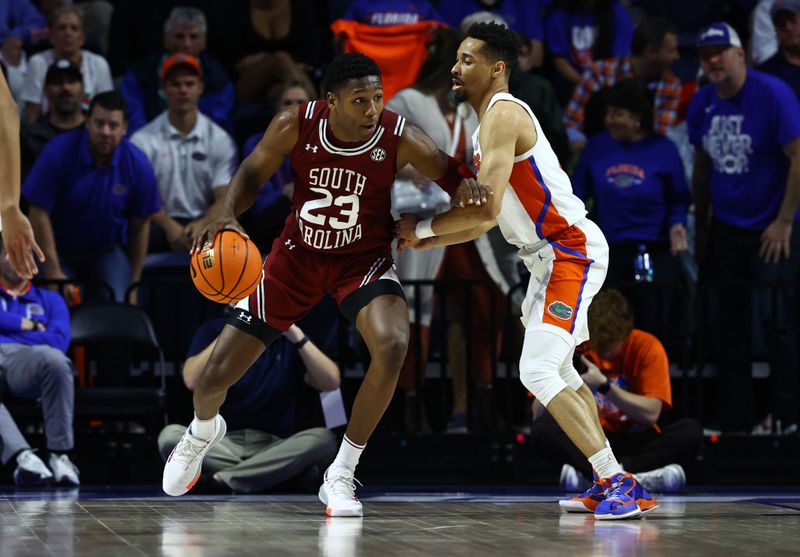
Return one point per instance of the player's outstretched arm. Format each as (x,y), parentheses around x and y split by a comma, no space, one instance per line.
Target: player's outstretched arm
(260,165)
(17,232)
(452,175)
(451,239)
(500,129)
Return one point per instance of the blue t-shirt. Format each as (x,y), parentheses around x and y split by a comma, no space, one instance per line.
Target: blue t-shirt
(37,304)
(392,12)
(523,17)
(571,34)
(639,188)
(264,398)
(745,136)
(783,69)
(89,207)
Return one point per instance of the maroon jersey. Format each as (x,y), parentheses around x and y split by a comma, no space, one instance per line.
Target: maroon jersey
(342,191)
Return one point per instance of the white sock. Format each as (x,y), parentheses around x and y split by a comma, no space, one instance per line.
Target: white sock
(605,463)
(348,455)
(204,429)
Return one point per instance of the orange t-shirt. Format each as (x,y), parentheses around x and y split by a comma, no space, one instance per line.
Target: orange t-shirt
(399,50)
(640,367)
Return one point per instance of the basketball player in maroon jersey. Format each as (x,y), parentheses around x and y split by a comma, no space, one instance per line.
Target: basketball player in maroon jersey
(345,152)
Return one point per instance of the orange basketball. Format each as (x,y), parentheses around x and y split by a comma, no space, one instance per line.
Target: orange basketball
(227,271)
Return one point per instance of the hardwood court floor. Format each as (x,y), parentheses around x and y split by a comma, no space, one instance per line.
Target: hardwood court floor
(129,522)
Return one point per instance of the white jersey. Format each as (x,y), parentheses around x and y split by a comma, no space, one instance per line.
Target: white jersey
(538,202)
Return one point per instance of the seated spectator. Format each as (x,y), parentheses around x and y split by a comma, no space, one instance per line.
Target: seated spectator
(262,447)
(20,20)
(63,89)
(21,25)
(34,336)
(263,221)
(66,34)
(184,31)
(91,196)
(653,50)
(580,32)
(641,200)
(785,64)
(193,158)
(628,371)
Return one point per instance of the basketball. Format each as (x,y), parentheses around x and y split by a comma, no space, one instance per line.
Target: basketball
(228,270)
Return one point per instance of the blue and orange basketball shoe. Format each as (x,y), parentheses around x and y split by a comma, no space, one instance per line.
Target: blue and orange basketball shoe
(587,501)
(625,498)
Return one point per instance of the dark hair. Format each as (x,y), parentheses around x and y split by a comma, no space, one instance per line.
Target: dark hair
(500,42)
(345,67)
(5,71)
(110,100)
(434,74)
(651,32)
(610,319)
(633,95)
(56,15)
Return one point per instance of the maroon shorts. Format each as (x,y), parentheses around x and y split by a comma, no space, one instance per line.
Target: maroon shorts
(295,280)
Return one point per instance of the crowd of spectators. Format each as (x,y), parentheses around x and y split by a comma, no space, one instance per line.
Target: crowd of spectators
(681,133)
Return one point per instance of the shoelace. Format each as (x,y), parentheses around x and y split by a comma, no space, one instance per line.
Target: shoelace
(615,491)
(605,483)
(344,485)
(186,451)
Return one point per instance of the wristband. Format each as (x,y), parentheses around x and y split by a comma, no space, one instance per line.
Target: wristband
(424,229)
(604,387)
(300,343)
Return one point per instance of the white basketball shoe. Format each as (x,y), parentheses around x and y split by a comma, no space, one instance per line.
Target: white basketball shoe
(338,493)
(183,466)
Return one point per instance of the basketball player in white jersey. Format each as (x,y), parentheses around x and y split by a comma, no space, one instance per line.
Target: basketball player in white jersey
(566,253)
(17,231)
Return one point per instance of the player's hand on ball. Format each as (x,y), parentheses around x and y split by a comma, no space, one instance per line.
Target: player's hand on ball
(223,221)
(406,228)
(470,192)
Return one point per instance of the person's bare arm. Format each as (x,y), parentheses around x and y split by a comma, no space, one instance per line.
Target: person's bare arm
(456,237)
(138,235)
(566,70)
(454,177)
(40,219)
(322,373)
(17,232)
(500,130)
(641,409)
(776,239)
(701,186)
(32,111)
(261,164)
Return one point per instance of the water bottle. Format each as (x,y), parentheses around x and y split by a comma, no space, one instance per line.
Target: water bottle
(643,270)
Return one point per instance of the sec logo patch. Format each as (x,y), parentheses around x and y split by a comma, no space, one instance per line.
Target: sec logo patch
(377,154)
